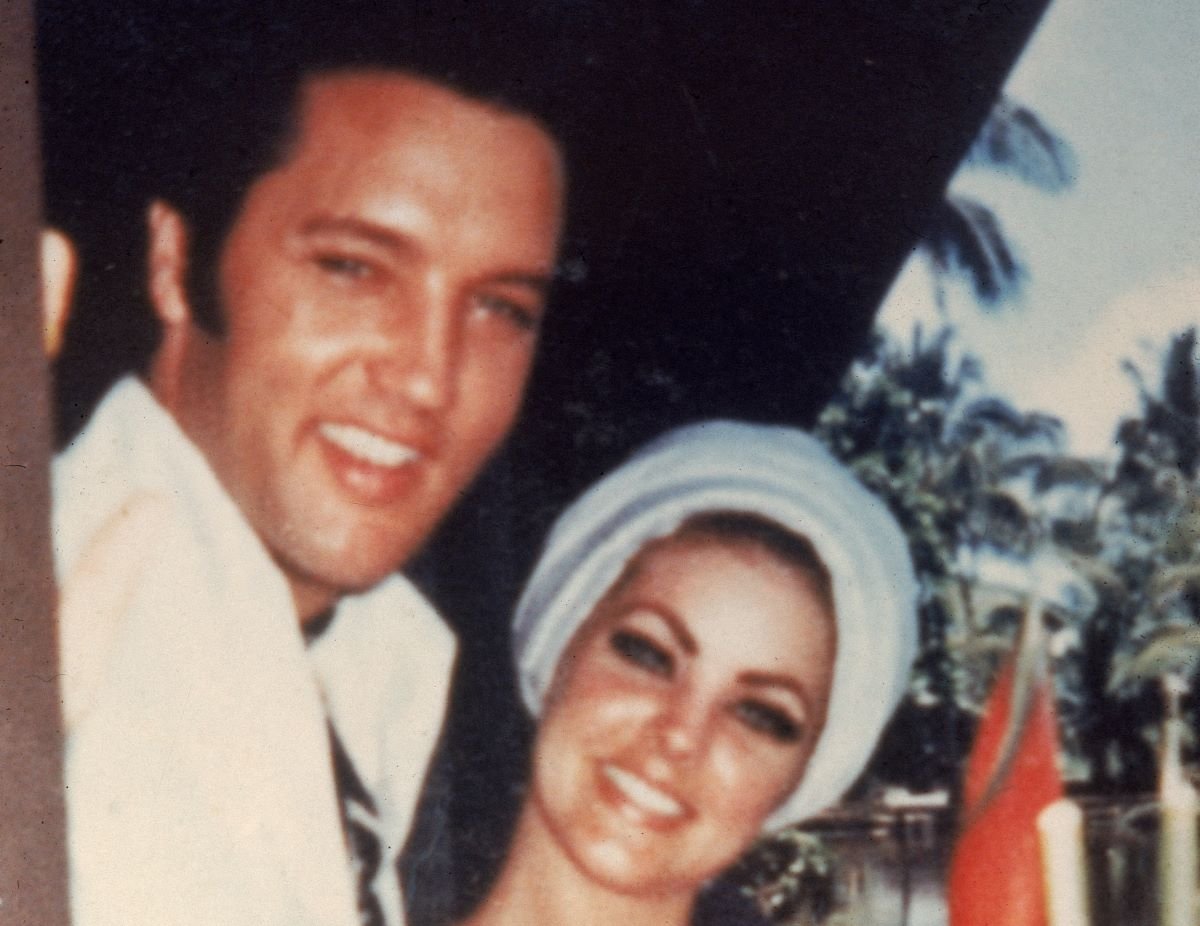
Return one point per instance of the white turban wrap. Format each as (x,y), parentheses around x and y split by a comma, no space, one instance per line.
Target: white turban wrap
(777,473)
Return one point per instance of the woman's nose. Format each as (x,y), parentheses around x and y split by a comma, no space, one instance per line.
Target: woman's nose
(679,740)
(683,726)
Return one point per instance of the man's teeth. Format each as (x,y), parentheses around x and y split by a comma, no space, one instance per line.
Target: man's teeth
(368,446)
(642,793)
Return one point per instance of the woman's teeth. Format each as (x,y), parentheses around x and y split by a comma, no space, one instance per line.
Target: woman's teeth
(642,793)
(368,446)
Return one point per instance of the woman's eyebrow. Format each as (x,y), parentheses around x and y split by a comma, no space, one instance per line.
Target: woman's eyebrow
(673,623)
(776,680)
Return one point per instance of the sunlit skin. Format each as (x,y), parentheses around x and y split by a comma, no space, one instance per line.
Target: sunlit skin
(683,712)
(59,264)
(382,290)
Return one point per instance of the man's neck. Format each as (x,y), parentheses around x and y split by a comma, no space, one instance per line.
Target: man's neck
(312,608)
(317,625)
(313,599)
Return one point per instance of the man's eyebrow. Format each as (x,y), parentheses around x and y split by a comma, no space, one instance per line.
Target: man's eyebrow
(378,235)
(540,283)
(345,225)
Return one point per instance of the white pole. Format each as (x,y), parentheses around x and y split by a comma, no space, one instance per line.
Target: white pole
(1064,863)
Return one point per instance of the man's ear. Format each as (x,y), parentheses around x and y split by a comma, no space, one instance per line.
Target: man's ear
(167,265)
(59,265)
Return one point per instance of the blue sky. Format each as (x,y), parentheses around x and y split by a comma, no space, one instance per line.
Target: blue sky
(1114,263)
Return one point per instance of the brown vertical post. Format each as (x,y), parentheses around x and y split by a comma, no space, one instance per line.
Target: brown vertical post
(33,883)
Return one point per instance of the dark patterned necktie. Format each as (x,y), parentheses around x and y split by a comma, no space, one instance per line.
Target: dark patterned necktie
(360,822)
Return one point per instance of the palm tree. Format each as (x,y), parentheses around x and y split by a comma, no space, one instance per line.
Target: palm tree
(1140,551)
(964,237)
(956,469)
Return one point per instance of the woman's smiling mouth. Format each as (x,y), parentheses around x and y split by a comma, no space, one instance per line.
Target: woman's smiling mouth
(651,802)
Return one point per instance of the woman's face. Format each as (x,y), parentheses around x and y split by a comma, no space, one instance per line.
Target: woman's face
(683,712)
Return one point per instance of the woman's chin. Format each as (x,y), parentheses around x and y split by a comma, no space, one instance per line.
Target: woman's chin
(626,854)
(615,868)
(639,866)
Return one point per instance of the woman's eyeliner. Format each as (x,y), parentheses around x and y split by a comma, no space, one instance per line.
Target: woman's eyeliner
(641,651)
(771,721)
(762,718)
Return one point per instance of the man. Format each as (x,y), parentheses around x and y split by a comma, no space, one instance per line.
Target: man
(337,362)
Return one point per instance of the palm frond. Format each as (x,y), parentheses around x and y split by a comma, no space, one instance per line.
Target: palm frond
(1015,140)
(1171,649)
(1053,472)
(965,237)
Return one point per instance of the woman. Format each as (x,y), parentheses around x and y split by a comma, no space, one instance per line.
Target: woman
(712,642)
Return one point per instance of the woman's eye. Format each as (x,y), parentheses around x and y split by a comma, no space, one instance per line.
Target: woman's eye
(349,268)
(772,721)
(642,652)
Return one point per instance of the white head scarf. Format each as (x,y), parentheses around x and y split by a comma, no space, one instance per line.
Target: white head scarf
(781,474)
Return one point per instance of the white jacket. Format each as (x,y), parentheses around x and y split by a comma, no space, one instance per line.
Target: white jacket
(198,771)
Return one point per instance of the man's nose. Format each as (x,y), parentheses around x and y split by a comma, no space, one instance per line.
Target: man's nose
(419,350)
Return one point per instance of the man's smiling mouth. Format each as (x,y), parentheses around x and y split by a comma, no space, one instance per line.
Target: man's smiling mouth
(368,446)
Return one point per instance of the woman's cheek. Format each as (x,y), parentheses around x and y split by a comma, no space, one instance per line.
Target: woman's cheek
(730,767)
(622,712)
(753,777)
(611,693)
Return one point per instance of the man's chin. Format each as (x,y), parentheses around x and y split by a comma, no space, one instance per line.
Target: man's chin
(317,589)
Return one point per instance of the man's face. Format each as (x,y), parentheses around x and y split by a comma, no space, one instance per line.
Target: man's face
(381,291)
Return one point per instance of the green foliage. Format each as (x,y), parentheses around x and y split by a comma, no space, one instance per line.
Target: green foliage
(959,470)
(791,876)
(1138,546)
(975,483)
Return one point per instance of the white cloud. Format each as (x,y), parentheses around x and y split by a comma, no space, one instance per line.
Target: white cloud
(1090,390)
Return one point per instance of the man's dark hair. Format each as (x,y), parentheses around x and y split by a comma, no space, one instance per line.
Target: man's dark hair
(190,102)
(233,95)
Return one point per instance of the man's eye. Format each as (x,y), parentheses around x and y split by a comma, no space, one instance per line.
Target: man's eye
(520,316)
(350,268)
(772,721)
(642,652)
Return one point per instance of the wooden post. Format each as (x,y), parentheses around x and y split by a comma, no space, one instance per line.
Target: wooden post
(33,885)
